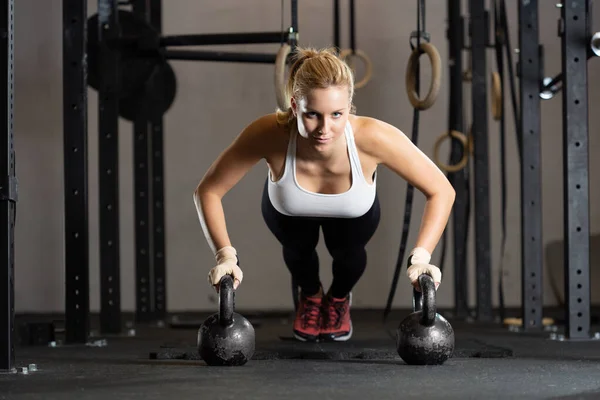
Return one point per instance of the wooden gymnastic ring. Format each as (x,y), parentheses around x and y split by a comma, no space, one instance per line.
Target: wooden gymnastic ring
(280,76)
(496,96)
(465,157)
(436,74)
(344,54)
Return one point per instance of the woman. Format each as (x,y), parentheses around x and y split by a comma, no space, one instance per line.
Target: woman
(322,161)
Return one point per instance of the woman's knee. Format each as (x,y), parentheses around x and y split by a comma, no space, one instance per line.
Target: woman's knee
(299,251)
(355,256)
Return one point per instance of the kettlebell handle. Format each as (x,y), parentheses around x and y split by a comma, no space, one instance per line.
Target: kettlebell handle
(226,299)
(424,300)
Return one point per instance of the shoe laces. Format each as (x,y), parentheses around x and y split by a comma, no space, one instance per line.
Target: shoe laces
(311,313)
(335,310)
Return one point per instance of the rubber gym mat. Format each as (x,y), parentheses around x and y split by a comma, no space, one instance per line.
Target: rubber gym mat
(352,350)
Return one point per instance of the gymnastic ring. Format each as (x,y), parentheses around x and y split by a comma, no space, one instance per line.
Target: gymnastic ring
(280,76)
(436,73)
(496,96)
(465,156)
(365,59)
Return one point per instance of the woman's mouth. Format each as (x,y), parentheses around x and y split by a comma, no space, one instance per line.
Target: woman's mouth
(321,139)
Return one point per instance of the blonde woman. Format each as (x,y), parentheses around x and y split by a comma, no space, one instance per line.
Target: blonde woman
(322,174)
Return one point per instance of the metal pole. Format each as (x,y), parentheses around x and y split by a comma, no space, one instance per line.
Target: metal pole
(142,200)
(8,191)
(479,42)
(531,174)
(576,171)
(293,40)
(222,56)
(108,135)
(336,24)
(220,38)
(460,178)
(158,194)
(75,142)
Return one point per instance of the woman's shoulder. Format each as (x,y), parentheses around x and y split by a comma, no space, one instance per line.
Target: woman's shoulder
(266,133)
(374,136)
(369,131)
(266,127)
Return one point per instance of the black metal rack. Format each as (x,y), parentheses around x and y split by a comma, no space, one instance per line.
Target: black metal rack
(77,289)
(459,179)
(148,160)
(575,32)
(479,42)
(577,47)
(108,168)
(149,198)
(8,189)
(531,174)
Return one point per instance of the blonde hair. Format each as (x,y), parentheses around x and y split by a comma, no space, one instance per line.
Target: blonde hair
(315,69)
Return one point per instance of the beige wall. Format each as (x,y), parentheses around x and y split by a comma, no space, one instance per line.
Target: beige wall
(214,102)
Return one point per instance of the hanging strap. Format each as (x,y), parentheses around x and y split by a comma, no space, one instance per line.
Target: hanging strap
(500,35)
(418,35)
(503,21)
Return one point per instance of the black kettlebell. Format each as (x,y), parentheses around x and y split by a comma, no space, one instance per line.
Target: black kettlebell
(425,337)
(226,338)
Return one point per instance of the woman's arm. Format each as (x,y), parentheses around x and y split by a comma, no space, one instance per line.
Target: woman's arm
(227,170)
(392,148)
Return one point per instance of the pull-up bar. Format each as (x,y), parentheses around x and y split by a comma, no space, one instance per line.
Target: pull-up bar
(223,38)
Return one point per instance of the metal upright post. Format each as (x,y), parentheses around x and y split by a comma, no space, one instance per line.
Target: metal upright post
(531,176)
(77,287)
(294,19)
(149,199)
(575,45)
(143,198)
(459,179)
(336,24)
(293,43)
(108,140)
(8,190)
(479,41)
(158,194)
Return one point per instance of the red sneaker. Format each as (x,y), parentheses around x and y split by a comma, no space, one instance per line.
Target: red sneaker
(307,325)
(337,325)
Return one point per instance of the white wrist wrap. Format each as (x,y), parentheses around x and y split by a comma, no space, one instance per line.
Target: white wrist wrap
(420,256)
(227,253)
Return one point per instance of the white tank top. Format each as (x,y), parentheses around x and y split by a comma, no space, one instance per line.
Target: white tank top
(290,199)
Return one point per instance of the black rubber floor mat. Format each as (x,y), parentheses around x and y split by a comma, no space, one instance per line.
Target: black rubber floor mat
(469,348)
(352,350)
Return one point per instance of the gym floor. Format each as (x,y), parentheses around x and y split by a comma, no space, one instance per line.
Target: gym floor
(154,362)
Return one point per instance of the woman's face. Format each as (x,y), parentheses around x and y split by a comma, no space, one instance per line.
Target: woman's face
(322,114)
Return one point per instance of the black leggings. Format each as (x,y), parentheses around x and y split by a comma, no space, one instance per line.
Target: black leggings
(345,239)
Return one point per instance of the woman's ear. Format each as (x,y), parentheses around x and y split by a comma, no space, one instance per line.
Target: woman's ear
(294,106)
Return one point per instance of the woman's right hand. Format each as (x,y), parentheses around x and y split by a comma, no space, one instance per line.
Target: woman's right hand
(227,264)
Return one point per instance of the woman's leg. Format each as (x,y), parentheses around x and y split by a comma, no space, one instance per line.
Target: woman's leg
(346,240)
(299,238)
